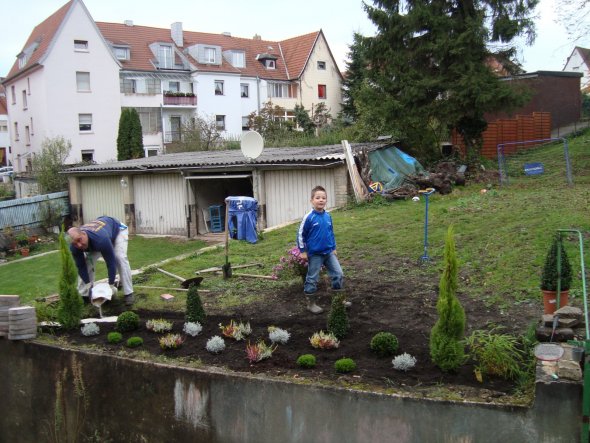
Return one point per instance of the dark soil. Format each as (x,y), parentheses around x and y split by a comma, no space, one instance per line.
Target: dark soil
(402,302)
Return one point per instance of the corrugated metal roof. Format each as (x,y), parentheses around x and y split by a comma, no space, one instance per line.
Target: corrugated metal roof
(229,158)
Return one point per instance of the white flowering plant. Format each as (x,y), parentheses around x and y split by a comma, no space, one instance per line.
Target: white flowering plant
(90,329)
(404,362)
(215,344)
(192,328)
(278,335)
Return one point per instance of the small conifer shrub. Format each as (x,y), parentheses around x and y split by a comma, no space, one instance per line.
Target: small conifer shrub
(114,337)
(338,318)
(69,310)
(306,361)
(345,365)
(127,321)
(384,344)
(194,306)
(134,342)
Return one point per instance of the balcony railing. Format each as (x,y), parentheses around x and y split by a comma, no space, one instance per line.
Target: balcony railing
(180,101)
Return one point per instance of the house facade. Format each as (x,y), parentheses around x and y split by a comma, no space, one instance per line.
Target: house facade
(4,136)
(74,76)
(579,61)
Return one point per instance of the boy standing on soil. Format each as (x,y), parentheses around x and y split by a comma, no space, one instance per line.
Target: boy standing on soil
(316,241)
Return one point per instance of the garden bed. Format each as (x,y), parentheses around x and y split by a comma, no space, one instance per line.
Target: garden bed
(403,303)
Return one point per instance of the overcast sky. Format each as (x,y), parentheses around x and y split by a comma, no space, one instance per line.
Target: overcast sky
(271,19)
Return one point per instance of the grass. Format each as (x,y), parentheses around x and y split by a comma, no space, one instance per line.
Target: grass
(502,237)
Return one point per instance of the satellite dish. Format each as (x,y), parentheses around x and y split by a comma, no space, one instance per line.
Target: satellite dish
(252,145)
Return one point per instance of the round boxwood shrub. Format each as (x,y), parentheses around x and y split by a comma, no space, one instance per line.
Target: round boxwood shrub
(384,344)
(345,365)
(134,342)
(127,321)
(114,337)
(306,361)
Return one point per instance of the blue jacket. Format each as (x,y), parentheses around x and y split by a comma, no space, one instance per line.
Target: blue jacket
(316,234)
(102,234)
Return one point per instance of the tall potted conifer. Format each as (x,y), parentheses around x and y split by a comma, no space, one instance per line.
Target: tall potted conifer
(556,276)
(69,311)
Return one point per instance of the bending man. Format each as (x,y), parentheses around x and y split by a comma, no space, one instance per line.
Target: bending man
(108,237)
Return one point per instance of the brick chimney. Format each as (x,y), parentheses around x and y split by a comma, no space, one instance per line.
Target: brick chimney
(176,34)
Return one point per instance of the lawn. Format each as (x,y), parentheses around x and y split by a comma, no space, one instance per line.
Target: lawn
(502,236)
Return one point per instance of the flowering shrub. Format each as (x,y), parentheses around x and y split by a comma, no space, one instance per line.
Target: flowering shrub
(322,340)
(192,328)
(159,325)
(215,344)
(237,331)
(404,362)
(259,351)
(291,265)
(278,335)
(90,329)
(171,341)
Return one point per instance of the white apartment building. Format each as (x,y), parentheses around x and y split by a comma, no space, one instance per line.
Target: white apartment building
(74,76)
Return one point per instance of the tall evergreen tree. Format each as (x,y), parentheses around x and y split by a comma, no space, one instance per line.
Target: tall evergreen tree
(130,137)
(355,74)
(427,64)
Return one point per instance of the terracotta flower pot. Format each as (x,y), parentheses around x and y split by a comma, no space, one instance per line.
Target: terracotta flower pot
(550,300)
(24,252)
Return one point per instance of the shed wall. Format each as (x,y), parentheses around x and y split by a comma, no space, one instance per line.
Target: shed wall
(102,196)
(159,204)
(288,192)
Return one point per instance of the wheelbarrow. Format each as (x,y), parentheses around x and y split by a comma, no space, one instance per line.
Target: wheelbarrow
(184,282)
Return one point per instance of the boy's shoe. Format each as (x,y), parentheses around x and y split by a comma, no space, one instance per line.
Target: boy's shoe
(129,299)
(312,306)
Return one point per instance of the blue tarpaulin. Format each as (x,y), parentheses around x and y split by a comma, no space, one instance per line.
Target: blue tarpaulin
(242,215)
(390,166)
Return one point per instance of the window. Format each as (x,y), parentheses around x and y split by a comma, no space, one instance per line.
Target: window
(244,91)
(87,155)
(13,91)
(85,122)
(174,86)
(321,66)
(239,59)
(245,123)
(218,87)
(220,122)
(32,127)
(282,90)
(24,99)
(80,45)
(121,53)
(28,86)
(16,136)
(322,91)
(165,57)
(209,55)
(270,64)
(151,120)
(3,126)
(27,136)
(22,60)
(83,81)
(151,151)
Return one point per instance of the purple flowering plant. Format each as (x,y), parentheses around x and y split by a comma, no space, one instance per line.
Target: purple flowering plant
(291,265)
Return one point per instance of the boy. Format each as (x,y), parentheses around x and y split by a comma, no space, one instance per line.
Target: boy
(316,241)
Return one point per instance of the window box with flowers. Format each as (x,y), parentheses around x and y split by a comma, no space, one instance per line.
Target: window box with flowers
(179,98)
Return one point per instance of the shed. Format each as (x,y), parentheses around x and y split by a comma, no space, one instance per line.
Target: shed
(171,194)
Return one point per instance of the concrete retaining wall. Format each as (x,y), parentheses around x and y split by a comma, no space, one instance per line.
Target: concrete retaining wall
(133,401)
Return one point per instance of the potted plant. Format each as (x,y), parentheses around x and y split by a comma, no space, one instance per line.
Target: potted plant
(553,279)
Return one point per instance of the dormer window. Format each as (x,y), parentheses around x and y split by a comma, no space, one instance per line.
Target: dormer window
(269,60)
(165,60)
(239,59)
(209,55)
(121,52)
(22,60)
(270,64)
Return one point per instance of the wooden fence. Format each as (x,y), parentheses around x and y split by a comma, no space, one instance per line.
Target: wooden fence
(536,126)
(32,212)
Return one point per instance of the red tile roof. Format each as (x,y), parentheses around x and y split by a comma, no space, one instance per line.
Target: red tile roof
(292,54)
(43,33)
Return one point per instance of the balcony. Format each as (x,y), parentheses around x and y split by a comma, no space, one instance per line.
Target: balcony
(179,99)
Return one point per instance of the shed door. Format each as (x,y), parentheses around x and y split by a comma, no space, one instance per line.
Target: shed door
(288,193)
(102,196)
(159,204)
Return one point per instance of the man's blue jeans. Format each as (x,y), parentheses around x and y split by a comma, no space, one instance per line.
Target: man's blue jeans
(314,265)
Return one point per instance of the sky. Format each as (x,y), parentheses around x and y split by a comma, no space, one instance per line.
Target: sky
(272,19)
